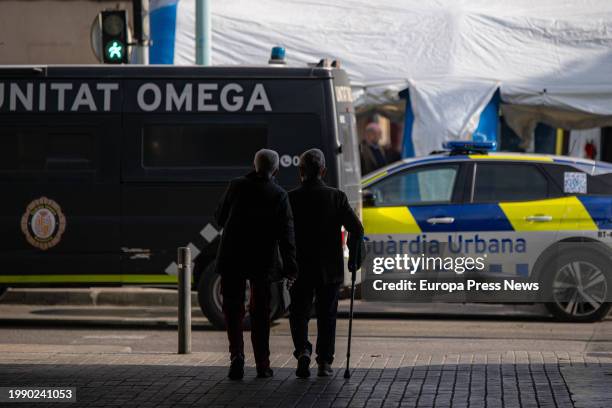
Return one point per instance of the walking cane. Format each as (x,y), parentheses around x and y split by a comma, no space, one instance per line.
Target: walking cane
(347,373)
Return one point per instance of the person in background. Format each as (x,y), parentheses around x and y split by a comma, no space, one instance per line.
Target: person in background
(319,212)
(393,152)
(257,221)
(372,154)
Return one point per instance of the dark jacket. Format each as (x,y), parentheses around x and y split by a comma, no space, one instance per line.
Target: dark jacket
(319,213)
(392,155)
(257,221)
(372,157)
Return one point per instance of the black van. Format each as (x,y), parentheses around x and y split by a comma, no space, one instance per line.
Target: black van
(105,171)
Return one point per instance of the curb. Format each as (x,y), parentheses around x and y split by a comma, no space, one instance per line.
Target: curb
(94,297)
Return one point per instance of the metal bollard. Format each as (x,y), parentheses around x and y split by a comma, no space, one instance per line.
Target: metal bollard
(184,298)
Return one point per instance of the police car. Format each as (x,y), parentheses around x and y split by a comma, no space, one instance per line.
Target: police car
(105,171)
(539,217)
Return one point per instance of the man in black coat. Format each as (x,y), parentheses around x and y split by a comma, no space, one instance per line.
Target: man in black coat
(371,153)
(257,222)
(319,213)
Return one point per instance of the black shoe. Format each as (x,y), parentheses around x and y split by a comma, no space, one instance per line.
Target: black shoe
(303,366)
(265,372)
(236,371)
(325,370)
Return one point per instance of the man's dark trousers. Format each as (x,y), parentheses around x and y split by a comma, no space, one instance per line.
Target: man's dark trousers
(257,224)
(326,306)
(320,212)
(233,290)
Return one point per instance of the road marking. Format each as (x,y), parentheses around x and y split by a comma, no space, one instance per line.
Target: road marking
(115,337)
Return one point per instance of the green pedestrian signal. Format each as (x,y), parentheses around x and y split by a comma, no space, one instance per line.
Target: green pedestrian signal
(114,30)
(114,51)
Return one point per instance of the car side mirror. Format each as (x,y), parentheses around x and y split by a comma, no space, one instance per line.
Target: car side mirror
(368,198)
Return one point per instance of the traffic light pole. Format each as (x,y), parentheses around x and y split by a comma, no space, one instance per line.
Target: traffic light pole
(140,50)
(203,32)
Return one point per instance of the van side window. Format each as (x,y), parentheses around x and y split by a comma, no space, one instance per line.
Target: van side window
(31,152)
(69,151)
(509,182)
(197,146)
(40,150)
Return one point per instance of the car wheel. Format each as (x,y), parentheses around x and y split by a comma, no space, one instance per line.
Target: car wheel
(210,299)
(3,290)
(579,286)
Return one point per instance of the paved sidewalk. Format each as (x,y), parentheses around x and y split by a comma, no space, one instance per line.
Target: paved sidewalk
(112,378)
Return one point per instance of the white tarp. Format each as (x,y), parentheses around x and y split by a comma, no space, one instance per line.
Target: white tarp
(542,52)
(449,108)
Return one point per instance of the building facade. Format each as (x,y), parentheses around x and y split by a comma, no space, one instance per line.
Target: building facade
(50,31)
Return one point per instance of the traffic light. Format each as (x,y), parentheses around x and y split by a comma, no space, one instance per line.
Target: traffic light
(114,36)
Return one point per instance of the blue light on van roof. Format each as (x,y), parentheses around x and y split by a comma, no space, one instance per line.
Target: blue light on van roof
(469,145)
(277,56)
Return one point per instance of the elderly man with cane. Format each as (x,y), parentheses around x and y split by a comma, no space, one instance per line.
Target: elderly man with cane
(257,221)
(319,213)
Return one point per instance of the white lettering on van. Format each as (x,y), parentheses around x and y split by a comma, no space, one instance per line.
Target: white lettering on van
(61,94)
(172,98)
(84,97)
(157,97)
(26,99)
(42,96)
(210,97)
(107,89)
(344,94)
(204,96)
(259,97)
(237,100)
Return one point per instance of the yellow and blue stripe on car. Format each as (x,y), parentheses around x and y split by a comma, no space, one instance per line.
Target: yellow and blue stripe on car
(579,215)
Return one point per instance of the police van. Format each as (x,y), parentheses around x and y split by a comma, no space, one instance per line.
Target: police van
(105,171)
(537,218)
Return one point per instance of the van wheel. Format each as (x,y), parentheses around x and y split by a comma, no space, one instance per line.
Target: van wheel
(211,299)
(579,286)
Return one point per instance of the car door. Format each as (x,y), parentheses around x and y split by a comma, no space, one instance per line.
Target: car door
(512,216)
(588,212)
(413,212)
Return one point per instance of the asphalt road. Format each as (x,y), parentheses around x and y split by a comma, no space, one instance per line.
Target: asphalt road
(418,333)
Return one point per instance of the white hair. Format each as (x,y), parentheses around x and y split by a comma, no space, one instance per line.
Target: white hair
(266,162)
(312,162)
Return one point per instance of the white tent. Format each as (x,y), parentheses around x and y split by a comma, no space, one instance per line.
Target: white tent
(452,54)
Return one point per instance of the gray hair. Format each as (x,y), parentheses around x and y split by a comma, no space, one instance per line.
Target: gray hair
(312,162)
(266,162)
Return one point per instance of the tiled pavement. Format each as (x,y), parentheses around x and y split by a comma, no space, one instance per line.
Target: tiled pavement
(512,379)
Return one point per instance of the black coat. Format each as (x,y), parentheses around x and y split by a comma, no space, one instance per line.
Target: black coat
(369,160)
(319,213)
(257,222)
